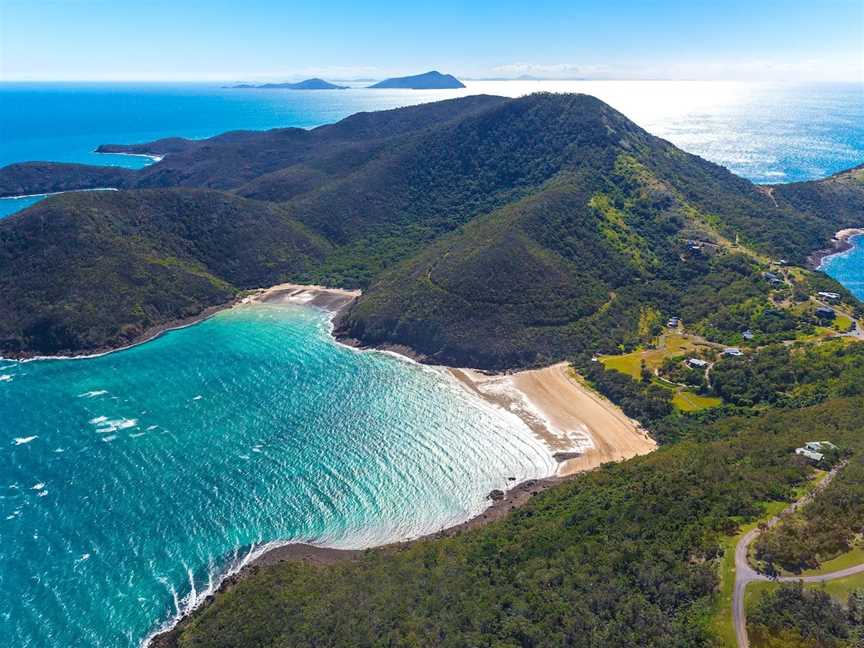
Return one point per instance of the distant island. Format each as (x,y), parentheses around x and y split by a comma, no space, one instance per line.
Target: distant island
(428,81)
(308,84)
(501,234)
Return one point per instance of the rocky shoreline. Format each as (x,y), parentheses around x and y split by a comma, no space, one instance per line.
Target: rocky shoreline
(151,333)
(841,242)
(502,503)
(331,299)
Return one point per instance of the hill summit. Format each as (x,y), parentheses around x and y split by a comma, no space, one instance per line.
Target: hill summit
(484,231)
(427,81)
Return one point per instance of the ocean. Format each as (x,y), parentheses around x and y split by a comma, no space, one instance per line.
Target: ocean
(131,482)
(848,267)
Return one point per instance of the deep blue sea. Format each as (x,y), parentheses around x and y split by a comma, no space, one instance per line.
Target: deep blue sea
(129,483)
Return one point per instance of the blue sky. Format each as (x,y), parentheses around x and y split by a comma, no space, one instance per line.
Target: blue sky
(273,39)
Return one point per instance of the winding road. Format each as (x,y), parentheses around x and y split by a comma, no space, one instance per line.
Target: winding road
(745,574)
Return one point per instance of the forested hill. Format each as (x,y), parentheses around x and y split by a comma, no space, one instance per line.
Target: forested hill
(486,231)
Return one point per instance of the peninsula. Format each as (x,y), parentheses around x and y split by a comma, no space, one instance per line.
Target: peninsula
(557,257)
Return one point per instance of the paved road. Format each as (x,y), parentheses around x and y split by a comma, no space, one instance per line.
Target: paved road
(745,574)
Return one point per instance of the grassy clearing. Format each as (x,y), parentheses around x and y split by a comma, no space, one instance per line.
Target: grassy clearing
(630,363)
(688,401)
(848,559)
(669,345)
(843,323)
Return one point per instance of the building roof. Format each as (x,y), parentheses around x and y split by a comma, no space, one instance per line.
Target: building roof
(804,452)
(697,362)
(820,445)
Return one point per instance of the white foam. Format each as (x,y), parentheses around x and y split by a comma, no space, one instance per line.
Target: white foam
(6,378)
(110,438)
(191,601)
(302,298)
(38,486)
(104,425)
(42,493)
(23,440)
(93,394)
(83,557)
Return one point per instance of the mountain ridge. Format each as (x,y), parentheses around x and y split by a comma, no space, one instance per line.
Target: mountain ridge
(485,231)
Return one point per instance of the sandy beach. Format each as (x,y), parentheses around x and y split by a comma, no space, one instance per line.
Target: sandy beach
(331,299)
(581,428)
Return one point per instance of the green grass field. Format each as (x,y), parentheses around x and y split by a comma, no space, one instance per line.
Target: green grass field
(688,401)
(843,323)
(630,364)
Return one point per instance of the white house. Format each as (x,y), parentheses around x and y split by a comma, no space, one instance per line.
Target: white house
(697,363)
(809,454)
(819,446)
(733,351)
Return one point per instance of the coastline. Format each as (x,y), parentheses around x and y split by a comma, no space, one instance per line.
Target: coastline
(501,506)
(842,242)
(581,429)
(56,193)
(332,299)
(152,156)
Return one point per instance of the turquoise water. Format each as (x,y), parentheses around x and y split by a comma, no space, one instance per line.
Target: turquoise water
(9,206)
(848,267)
(130,481)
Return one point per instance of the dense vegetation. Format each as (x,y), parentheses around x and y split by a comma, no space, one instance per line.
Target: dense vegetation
(824,529)
(83,271)
(492,233)
(792,376)
(621,556)
(488,231)
(47,177)
(792,617)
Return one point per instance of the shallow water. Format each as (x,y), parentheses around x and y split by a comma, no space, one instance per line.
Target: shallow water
(848,267)
(130,481)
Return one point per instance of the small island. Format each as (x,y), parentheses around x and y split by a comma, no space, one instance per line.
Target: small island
(428,81)
(308,84)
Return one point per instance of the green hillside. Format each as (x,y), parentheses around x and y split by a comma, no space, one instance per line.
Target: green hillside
(84,271)
(487,231)
(623,556)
